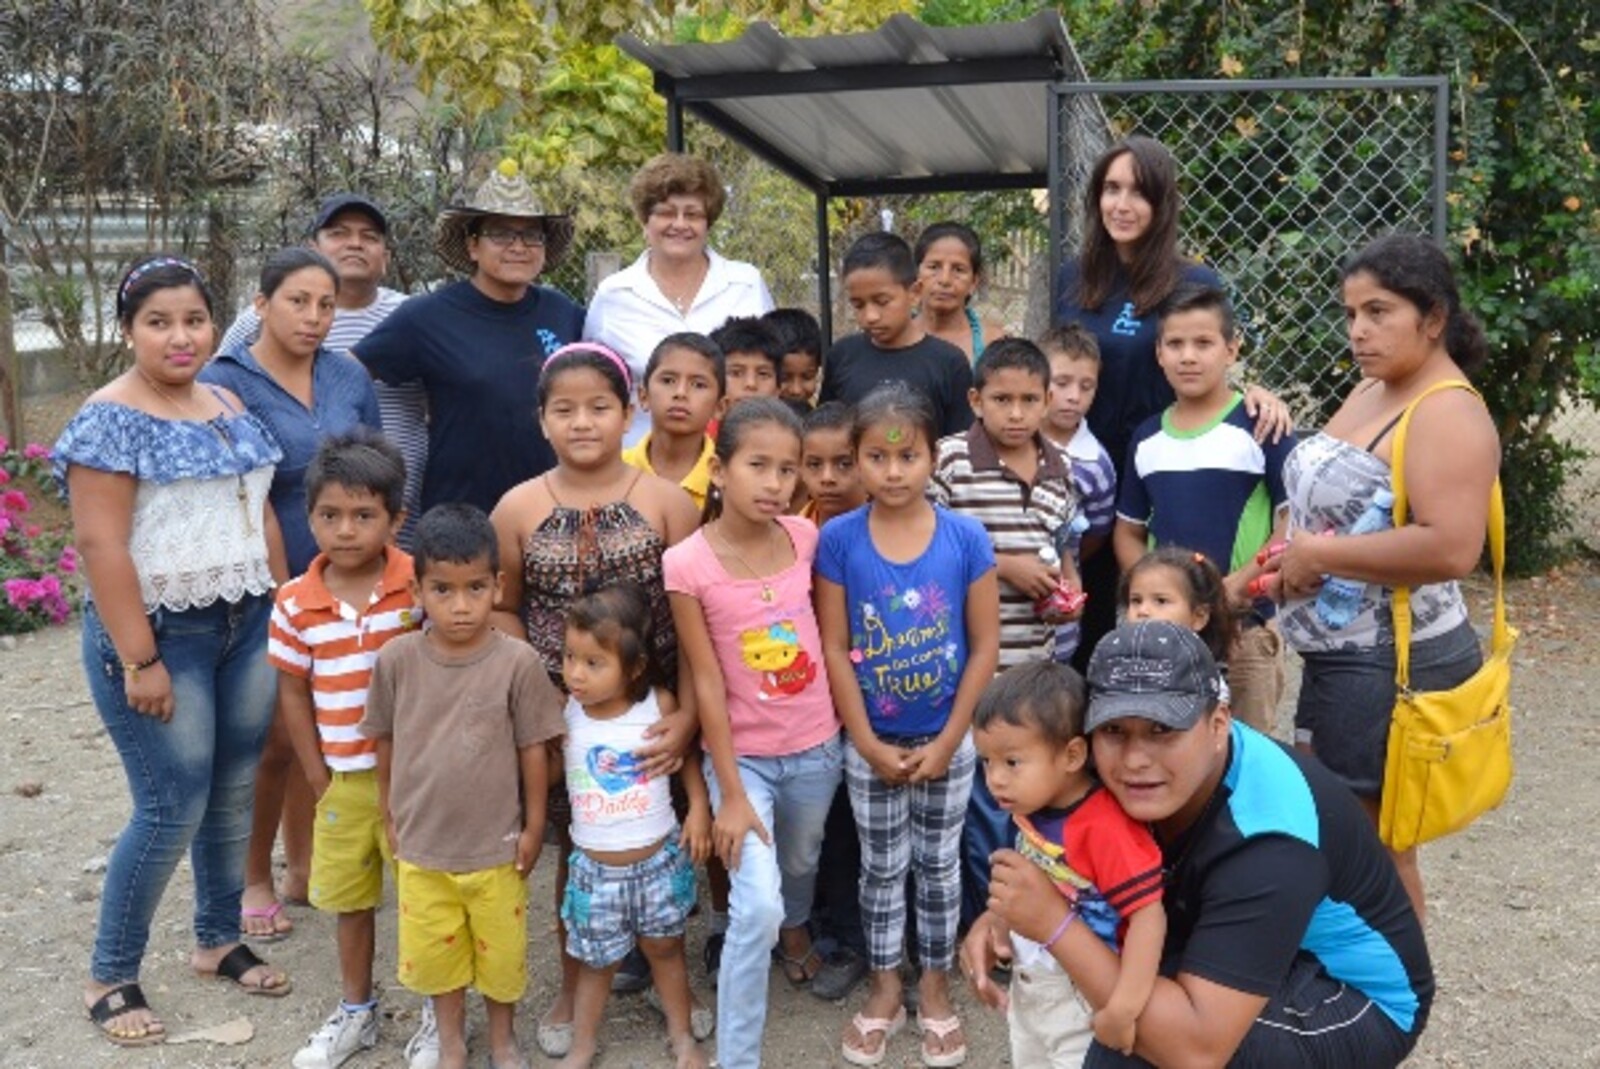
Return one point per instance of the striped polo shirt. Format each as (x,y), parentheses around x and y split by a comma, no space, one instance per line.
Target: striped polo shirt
(1020,517)
(315,636)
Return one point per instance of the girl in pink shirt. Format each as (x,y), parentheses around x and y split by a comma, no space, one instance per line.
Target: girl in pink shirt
(741,601)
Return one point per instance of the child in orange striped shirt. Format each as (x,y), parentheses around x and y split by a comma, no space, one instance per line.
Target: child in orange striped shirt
(326,630)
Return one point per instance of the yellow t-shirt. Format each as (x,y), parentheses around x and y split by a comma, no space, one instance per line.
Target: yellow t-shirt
(697,482)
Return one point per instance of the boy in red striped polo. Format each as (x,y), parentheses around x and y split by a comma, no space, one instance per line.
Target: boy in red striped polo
(326,630)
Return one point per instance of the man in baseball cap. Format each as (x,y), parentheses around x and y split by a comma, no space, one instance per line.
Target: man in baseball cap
(1290,940)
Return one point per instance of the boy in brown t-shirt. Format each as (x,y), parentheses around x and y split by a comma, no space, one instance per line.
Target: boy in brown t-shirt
(461,714)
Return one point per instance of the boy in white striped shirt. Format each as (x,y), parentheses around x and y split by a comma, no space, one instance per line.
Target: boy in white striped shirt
(1004,473)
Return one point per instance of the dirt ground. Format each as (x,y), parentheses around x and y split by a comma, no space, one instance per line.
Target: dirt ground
(1514,928)
(1514,925)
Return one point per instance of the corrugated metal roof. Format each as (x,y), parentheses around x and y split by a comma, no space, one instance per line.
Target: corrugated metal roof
(904,102)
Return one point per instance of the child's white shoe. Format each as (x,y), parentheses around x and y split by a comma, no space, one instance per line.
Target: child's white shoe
(422,1049)
(345,1033)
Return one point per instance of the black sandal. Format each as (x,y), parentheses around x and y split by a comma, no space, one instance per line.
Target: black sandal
(125,998)
(237,963)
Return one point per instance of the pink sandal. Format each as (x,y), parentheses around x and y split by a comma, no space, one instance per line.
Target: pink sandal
(866,1028)
(941,1028)
(269,914)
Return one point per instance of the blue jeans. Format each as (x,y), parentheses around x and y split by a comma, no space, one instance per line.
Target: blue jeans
(988,828)
(192,778)
(772,886)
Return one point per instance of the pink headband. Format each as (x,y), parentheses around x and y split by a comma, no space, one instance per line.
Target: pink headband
(599,350)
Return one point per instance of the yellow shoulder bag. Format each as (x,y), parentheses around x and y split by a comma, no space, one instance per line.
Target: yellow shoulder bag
(1449,758)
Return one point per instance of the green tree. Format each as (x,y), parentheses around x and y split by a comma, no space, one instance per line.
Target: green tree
(1524,185)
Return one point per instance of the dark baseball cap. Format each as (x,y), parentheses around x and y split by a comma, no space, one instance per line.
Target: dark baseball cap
(1154,670)
(348,202)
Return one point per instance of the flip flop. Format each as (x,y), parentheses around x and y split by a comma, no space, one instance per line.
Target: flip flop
(866,1028)
(799,971)
(236,965)
(702,1019)
(941,1028)
(265,913)
(122,999)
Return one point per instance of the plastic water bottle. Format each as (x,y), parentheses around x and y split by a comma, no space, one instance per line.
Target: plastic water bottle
(1339,598)
(1064,600)
(1069,536)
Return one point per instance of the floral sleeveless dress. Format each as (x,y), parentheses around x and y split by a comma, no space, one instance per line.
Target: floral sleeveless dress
(576,552)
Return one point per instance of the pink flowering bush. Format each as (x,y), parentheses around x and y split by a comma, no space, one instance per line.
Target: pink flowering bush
(38,568)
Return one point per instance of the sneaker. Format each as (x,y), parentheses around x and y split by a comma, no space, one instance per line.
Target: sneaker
(422,1049)
(343,1034)
(632,976)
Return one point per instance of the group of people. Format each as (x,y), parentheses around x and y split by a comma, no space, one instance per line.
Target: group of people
(427,582)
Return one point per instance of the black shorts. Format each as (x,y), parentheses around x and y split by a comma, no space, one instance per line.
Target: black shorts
(1347,700)
(1312,1021)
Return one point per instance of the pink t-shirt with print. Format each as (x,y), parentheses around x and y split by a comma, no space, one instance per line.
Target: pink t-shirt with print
(769,651)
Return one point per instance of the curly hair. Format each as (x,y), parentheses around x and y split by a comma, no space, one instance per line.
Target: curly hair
(675,174)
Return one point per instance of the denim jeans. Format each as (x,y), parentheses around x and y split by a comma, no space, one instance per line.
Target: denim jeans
(772,886)
(192,778)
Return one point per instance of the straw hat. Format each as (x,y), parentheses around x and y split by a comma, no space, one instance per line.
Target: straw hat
(505,192)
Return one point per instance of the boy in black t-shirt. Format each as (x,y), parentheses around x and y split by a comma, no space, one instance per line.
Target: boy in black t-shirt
(880,279)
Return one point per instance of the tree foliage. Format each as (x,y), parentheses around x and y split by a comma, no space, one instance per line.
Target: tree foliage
(140,112)
(1524,184)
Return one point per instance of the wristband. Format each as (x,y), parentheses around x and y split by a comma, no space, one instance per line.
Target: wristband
(131,669)
(1061,930)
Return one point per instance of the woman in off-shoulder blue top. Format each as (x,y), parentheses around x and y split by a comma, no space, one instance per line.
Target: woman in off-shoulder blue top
(167,482)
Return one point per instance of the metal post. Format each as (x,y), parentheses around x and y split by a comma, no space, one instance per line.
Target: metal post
(1441,157)
(1055,130)
(674,123)
(824,271)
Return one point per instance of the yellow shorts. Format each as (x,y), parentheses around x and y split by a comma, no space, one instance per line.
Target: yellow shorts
(349,849)
(461,929)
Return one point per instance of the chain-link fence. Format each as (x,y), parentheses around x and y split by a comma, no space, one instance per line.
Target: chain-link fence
(1282,181)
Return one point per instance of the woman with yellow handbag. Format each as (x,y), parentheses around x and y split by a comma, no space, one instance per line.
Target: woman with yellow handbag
(1415,346)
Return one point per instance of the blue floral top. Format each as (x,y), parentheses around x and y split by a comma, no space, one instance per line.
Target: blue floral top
(197,533)
(111,437)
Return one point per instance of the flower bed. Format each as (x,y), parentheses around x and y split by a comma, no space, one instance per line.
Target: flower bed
(38,566)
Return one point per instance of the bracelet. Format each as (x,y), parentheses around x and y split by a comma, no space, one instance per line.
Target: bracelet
(1061,930)
(131,669)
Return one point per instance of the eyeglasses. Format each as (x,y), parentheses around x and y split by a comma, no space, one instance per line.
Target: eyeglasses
(666,213)
(505,237)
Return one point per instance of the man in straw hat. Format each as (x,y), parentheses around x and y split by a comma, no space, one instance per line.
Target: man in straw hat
(477,346)
(1290,940)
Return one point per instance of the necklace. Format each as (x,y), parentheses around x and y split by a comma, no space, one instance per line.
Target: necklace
(767,594)
(685,300)
(240,491)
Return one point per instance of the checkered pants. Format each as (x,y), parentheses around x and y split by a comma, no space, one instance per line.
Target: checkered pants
(918,825)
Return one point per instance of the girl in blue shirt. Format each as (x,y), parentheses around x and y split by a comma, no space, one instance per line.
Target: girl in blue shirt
(908,605)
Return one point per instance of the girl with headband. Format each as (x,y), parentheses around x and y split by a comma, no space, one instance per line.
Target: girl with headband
(590,521)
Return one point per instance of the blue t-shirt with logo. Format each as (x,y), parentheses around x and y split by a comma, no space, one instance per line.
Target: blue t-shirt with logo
(908,628)
(1132,385)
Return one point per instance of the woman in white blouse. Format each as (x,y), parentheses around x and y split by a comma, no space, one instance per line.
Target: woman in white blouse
(168,480)
(678,283)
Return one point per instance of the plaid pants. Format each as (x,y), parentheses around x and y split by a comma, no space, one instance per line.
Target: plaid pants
(902,826)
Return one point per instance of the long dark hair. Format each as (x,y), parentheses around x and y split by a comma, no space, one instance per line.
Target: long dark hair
(1156,267)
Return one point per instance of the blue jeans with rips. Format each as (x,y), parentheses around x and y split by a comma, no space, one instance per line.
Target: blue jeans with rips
(192,778)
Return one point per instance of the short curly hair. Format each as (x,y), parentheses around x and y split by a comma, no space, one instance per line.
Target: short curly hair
(674,174)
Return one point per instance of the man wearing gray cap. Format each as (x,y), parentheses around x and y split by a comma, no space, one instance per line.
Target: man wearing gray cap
(1290,941)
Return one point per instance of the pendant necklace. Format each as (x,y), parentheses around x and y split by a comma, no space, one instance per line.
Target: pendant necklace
(240,492)
(767,594)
